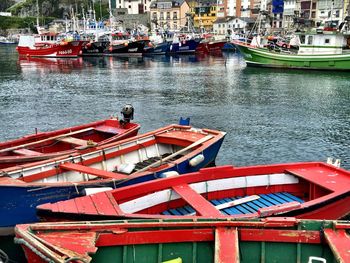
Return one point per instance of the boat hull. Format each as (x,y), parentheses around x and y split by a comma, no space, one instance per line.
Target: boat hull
(135,48)
(301,190)
(66,50)
(39,146)
(184,47)
(95,48)
(206,241)
(261,57)
(159,49)
(20,199)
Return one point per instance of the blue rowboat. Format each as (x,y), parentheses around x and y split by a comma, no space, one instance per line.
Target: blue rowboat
(173,149)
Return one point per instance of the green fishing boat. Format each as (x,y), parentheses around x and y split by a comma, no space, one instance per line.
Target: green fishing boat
(317,50)
(269,240)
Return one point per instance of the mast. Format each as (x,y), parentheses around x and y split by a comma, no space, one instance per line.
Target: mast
(37,14)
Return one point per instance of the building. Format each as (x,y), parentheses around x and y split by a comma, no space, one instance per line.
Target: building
(240,8)
(330,10)
(169,14)
(204,14)
(132,6)
(291,9)
(241,25)
(220,26)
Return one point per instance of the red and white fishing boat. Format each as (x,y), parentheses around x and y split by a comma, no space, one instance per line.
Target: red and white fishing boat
(44,145)
(304,190)
(49,45)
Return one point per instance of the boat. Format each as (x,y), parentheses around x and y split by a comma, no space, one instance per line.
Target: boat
(304,190)
(45,145)
(7,41)
(281,239)
(183,44)
(50,45)
(174,149)
(211,45)
(324,50)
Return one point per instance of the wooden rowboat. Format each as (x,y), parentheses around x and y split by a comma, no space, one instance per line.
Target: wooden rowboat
(221,241)
(304,190)
(172,149)
(45,145)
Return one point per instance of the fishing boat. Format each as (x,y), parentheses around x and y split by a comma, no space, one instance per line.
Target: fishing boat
(45,145)
(50,45)
(174,149)
(7,41)
(183,44)
(305,190)
(175,241)
(318,50)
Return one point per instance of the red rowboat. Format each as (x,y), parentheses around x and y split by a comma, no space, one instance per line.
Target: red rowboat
(45,145)
(174,149)
(206,241)
(304,190)
(30,47)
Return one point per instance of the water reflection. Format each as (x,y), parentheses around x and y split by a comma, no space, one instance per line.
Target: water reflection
(45,65)
(270,115)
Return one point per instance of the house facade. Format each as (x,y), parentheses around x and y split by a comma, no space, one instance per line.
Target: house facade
(169,14)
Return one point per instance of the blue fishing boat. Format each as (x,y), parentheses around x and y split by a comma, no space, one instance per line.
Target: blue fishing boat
(157,49)
(183,44)
(171,150)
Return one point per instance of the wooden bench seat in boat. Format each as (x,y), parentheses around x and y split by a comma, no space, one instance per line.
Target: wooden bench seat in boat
(72,140)
(27,152)
(109,129)
(93,171)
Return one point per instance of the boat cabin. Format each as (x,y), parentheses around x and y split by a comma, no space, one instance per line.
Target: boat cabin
(325,43)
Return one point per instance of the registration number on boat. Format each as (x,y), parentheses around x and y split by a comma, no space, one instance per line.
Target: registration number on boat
(65,52)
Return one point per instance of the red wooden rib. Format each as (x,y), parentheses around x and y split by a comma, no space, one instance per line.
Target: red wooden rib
(92,171)
(26,152)
(339,241)
(198,202)
(226,245)
(153,237)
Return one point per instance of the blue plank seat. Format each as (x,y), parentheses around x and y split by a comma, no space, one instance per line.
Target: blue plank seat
(265,200)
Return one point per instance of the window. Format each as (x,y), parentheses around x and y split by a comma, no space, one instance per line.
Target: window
(168,15)
(175,15)
(327,41)
(161,17)
(129,6)
(313,14)
(309,40)
(302,39)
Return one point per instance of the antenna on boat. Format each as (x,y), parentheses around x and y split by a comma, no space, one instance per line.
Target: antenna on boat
(37,11)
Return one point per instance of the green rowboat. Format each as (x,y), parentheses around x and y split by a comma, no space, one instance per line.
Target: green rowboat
(269,240)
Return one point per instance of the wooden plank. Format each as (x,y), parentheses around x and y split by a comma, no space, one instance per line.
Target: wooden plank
(277,209)
(204,139)
(226,245)
(154,237)
(339,241)
(198,202)
(109,129)
(235,202)
(45,140)
(72,140)
(103,204)
(93,171)
(27,152)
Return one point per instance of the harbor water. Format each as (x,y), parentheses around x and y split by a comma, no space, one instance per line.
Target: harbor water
(270,116)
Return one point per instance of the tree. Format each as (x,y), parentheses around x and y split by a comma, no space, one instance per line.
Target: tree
(4,4)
